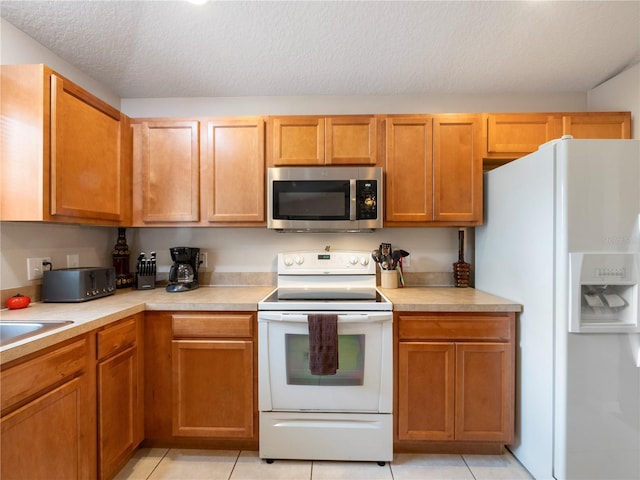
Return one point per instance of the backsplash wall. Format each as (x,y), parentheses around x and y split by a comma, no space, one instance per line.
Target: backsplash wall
(238,250)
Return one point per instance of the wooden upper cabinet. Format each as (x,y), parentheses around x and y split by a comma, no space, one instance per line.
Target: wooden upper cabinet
(234,171)
(314,140)
(514,135)
(73,146)
(409,169)
(198,172)
(433,170)
(614,125)
(351,140)
(297,140)
(457,168)
(166,166)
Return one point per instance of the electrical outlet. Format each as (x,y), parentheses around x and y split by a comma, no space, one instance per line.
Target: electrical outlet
(73,260)
(204,258)
(35,267)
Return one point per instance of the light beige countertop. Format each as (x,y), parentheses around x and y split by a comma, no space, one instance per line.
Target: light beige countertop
(446,299)
(87,316)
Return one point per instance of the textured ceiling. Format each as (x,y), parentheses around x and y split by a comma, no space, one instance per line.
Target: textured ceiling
(236,48)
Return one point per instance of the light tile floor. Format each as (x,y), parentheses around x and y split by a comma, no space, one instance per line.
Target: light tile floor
(183,464)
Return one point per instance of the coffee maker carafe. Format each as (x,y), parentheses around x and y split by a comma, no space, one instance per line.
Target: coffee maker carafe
(183,274)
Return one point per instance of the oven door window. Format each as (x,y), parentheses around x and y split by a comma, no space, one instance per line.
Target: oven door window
(364,363)
(350,362)
(311,200)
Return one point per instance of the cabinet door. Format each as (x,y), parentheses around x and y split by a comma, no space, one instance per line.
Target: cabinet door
(233,184)
(484,392)
(50,437)
(515,135)
(86,161)
(213,388)
(297,140)
(426,391)
(166,172)
(457,168)
(117,410)
(409,169)
(598,125)
(351,140)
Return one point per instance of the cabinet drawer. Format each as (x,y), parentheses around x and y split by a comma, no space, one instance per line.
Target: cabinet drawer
(35,376)
(212,325)
(457,326)
(116,338)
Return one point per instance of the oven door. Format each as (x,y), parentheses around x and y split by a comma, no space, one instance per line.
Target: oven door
(363,382)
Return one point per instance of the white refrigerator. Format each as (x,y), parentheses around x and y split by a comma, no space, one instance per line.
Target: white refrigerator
(562,237)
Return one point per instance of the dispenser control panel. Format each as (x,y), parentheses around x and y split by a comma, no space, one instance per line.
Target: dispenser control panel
(607,272)
(604,292)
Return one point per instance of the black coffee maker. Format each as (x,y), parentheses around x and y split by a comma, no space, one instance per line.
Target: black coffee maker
(183,274)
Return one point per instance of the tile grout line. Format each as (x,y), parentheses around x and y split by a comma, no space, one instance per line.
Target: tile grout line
(234,464)
(467,465)
(158,464)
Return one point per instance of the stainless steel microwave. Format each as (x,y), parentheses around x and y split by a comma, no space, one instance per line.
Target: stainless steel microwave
(324,198)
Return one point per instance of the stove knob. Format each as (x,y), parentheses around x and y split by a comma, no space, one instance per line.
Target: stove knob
(288,261)
(364,261)
(353,260)
(299,260)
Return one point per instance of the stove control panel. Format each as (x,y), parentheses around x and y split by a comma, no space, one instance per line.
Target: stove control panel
(338,262)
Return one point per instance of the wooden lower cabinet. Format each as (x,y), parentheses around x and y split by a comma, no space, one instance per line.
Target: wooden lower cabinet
(455,378)
(48,425)
(119,394)
(201,379)
(426,389)
(212,388)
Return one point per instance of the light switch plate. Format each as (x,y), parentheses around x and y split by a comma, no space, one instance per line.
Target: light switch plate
(73,260)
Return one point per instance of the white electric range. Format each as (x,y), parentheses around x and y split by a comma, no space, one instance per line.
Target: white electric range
(341,416)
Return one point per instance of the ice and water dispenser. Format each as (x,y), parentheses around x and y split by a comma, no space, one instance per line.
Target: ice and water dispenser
(604,292)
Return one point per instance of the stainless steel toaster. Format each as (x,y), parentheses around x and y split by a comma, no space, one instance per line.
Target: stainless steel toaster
(78,284)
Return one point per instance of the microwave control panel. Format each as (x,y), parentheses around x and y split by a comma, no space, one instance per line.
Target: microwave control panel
(367,199)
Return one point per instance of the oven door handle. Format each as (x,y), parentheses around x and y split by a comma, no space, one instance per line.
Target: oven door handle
(368,317)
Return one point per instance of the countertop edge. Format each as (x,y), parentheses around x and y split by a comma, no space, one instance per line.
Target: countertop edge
(124,304)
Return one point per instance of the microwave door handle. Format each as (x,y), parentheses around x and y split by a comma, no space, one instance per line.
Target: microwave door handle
(352,203)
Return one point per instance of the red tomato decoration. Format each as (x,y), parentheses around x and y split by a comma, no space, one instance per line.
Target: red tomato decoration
(18,301)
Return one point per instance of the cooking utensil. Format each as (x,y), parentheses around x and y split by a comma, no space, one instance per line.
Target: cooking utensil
(386,259)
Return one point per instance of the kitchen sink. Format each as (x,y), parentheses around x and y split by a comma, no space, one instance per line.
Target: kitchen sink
(13,331)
